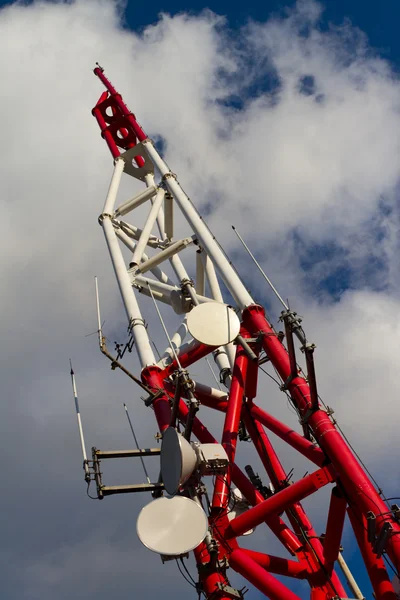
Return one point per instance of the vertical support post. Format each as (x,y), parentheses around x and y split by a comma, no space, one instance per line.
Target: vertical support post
(334,528)
(231,425)
(200,275)
(169,216)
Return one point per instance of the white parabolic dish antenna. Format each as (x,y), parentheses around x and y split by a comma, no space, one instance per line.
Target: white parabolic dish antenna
(172,526)
(213,323)
(178,460)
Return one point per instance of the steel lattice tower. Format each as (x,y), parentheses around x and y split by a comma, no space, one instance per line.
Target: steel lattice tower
(175,397)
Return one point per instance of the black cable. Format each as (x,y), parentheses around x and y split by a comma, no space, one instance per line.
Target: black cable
(187,571)
(87,492)
(184,576)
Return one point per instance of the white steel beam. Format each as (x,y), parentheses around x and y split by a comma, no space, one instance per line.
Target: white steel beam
(136,201)
(146,232)
(145,353)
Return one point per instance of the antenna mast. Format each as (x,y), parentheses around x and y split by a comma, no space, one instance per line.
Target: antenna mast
(235,337)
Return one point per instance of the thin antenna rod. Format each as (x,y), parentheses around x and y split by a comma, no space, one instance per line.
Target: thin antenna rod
(165,329)
(99,331)
(78,417)
(136,442)
(260,269)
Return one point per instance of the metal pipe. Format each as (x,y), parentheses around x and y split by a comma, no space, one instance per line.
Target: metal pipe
(279,566)
(278,502)
(127,241)
(136,322)
(259,577)
(349,578)
(78,418)
(334,528)
(136,201)
(114,185)
(146,232)
(231,426)
(164,255)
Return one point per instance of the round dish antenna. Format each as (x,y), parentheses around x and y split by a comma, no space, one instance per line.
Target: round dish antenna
(213,323)
(178,460)
(172,526)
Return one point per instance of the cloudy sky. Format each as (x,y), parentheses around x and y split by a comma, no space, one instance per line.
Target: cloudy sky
(280,118)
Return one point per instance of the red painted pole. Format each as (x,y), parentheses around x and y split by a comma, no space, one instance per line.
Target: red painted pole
(288,435)
(278,565)
(334,528)
(152,376)
(195,353)
(278,502)
(231,426)
(259,577)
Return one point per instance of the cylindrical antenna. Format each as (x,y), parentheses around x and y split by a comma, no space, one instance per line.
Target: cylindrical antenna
(136,442)
(260,269)
(78,417)
(99,331)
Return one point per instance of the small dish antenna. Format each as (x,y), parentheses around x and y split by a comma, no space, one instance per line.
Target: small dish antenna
(213,323)
(240,506)
(178,460)
(172,526)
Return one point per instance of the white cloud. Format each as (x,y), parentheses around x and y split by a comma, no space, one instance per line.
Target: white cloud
(318,166)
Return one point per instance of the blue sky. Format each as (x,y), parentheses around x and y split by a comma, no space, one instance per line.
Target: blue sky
(293,140)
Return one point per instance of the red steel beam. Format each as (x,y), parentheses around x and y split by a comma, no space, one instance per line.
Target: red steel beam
(278,502)
(195,353)
(259,577)
(334,528)
(152,377)
(231,425)
(278,565)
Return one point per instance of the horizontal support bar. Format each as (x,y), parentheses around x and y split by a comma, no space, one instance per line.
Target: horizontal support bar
(102,454)
(136,201)
(163,255)
(109,490)
(135,232)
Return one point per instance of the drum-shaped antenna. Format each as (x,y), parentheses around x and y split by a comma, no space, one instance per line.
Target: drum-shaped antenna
(213,323)
(241,506)
(172,526)
(178,460)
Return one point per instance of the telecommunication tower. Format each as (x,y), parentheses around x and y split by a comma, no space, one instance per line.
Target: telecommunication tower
(182,516)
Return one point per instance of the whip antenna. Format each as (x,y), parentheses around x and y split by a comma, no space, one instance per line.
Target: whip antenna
(267,279)
(136,442)
(78,417)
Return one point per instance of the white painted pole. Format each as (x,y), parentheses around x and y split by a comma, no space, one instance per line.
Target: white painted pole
(114,185)
(176,341)
(78,418)
(164,254)
(135,232)
(232,280)
(151,219)
(216,293)
(136,201)
(145,353)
